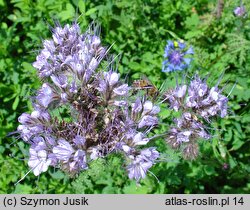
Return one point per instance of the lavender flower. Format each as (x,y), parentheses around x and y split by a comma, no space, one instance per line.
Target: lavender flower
(63,151)
(25,118)
(204,101)
(99,113)
(46,95)
(198,104)
(85,111)
(240,11)
(177,56)
(39,161)
(95,153)
(148,120)
(121,90)
(60,80)
(70,50)
(139,139)
(79,140)
(79,161)
(142,163)
(111,78)
(33,124)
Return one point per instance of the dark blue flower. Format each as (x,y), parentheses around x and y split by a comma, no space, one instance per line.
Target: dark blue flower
(177,56)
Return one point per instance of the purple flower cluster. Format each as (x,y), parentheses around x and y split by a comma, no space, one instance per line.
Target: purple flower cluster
(69,50)
(198,103)
(84,111)
(240,11)
(177,56)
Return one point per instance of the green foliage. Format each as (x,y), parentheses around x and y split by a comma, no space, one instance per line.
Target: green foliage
(139,30)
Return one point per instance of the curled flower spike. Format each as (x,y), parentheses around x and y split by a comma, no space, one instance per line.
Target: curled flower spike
(85,111)
(177,56)
(99,114)
(198,103)
(204,101)
(70,50)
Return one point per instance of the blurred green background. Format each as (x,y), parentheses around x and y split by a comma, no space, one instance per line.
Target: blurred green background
(139,30)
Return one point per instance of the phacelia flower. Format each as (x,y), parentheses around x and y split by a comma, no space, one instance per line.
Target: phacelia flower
(63,151)
(39,161)
(198,103)
(240,11)
(142,163)
(177,56)
(46,95)
(204,101)
(83,112)
(79,161)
